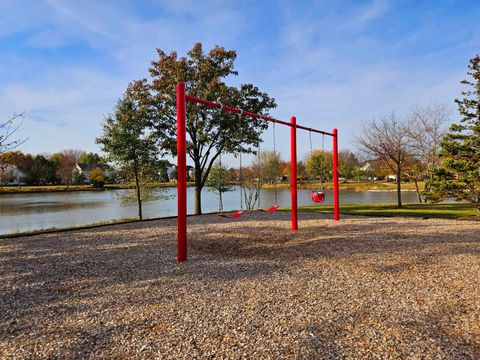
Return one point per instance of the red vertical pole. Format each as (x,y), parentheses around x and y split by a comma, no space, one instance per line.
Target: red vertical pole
(181,174)
(336,200)
(293,171)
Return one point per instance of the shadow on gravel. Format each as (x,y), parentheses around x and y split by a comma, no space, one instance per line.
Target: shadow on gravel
(49,272)
(277,243)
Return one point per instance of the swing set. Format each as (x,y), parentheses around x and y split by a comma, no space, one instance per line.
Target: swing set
(317,196)
(239,213)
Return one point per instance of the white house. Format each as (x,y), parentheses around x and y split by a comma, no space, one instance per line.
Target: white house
(368,169)
(86,169)
(172,170)
(11,175)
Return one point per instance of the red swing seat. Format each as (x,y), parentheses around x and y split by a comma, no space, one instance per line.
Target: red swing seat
(317,196)
(270,209)
(235,215)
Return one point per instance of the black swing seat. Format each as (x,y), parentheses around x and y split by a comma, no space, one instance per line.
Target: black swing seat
(317,196)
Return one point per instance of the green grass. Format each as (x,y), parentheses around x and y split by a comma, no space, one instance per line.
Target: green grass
(350,185)
(62,188)
(443,211)
(46,188)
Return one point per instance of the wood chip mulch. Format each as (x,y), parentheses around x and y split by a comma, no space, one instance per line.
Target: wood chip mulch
(360,288)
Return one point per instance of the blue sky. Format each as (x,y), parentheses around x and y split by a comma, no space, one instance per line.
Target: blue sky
(330,63)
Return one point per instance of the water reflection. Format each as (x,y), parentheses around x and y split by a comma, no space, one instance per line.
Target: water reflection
(23,212)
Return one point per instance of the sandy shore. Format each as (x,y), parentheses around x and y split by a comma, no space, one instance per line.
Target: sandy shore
(359,288)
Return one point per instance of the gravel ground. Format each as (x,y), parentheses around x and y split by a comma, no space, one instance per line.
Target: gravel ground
(359,288)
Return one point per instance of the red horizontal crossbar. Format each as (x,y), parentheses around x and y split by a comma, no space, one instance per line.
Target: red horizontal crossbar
(258,116)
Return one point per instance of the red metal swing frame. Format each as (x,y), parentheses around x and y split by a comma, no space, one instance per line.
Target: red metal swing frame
(182,99)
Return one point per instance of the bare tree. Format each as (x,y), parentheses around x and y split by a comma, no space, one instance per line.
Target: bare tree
(386,140)
(67,160)
(251,187)
(426,128)
(7,133)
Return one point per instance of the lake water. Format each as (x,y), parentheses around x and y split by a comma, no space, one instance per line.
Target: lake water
(23,212)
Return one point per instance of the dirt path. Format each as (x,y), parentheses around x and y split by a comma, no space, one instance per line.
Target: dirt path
(360,288)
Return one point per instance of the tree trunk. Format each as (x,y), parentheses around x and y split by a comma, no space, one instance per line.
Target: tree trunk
(137,187)
(198,190)
(220,202)
(198,199)
(419,197)
(399,188)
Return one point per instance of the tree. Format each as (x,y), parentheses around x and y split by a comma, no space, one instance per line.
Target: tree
(425,131)
(163,166)
(11,157)
(347,164)
(41,171)
(387,141)
(8,129)
(301,170)
(268,166)
(91,158)
(319,165)
(67,159)
(459,172)
(97,178)
(218,182)
(210,131)
(285,169)
(252,186)
(127,142)
(22,161)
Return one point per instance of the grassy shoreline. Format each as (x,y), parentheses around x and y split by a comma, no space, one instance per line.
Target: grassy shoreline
(462,211)
(357,186)
(71,188)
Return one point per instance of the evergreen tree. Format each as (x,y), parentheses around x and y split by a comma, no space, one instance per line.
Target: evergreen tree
(459,174)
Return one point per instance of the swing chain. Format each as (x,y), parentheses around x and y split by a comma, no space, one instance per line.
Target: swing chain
(220,154)
(310,136)
(275,155)
(322,163)
(240,159)
(259,176)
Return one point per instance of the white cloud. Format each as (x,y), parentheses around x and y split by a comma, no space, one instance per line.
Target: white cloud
(65,111)
(318,60)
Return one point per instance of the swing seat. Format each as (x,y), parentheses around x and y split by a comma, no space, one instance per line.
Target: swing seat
(235,215)
(317,196)
(270,209)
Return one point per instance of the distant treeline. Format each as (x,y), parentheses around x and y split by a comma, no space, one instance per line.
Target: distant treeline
(68,167)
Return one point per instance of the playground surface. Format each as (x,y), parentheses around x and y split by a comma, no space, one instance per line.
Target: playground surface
(359,288)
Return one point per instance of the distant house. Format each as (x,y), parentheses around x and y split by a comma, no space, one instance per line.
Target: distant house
(172,172)
(367,166)
(369,170)
(85,169)
(11,175)
(190,172)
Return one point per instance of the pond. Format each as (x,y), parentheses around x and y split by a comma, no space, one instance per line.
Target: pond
(25,212)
